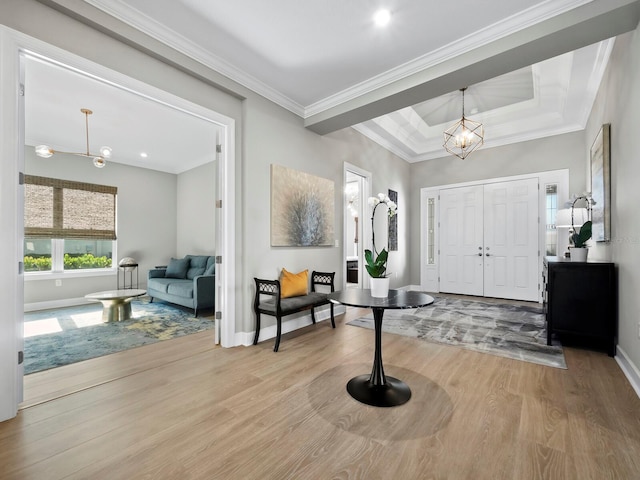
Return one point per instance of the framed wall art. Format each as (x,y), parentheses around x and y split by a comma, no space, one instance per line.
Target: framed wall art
(302,209)
(393,224)
(601,185)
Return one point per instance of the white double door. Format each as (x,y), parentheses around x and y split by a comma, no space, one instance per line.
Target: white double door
(489,240)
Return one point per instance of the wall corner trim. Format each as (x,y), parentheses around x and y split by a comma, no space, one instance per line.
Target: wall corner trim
(629,369)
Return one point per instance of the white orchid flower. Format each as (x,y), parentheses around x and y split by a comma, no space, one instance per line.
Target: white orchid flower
(383,198)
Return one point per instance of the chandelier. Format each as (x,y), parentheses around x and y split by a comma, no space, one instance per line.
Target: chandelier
(46,151)
(464,136)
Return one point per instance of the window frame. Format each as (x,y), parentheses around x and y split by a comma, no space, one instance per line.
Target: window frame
(57,242)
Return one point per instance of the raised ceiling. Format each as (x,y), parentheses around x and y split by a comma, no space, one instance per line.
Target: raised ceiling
(129,122)
(532,67)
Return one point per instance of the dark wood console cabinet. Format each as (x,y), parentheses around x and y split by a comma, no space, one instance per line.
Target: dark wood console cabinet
(581,302)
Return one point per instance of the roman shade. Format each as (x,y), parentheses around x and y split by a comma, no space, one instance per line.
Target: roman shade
(55,208)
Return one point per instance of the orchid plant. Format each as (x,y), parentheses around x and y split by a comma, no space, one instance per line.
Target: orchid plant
(376,263)
(582,236)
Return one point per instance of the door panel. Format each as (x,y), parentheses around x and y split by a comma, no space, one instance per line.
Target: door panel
(511,239)
(461,221)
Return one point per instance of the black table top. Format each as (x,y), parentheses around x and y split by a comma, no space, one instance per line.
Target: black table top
(397,299)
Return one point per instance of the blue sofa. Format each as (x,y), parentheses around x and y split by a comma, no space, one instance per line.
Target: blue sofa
(188,281)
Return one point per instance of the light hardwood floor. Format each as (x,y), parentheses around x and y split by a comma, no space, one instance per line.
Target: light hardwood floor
(184,409)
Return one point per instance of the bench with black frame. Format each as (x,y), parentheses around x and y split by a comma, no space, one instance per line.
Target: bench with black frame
(281,307)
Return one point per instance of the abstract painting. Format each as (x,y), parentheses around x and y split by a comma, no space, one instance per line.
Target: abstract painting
(393,224)
(302,209)
(601,185)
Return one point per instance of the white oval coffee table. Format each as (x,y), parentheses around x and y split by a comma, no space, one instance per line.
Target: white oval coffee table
(116,303)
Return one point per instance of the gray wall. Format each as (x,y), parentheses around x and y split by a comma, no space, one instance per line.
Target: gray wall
(265,134)
(204,87)
(146,219)
(195,201)
(276,136)
(546,154)
(618,103)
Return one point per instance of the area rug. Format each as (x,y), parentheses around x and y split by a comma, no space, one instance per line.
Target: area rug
(54,338)
(511,331)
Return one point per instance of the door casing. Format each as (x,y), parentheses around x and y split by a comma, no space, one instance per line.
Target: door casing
(430,265)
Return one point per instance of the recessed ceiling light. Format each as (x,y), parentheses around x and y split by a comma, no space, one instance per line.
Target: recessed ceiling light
(144,155)
(382,17)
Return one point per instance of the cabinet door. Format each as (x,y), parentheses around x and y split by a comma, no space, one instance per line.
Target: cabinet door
(581,299)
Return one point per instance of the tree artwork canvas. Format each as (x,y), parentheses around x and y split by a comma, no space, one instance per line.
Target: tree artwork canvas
(302,209)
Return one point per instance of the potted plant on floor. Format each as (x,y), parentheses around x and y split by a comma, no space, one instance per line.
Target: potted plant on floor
(376,263)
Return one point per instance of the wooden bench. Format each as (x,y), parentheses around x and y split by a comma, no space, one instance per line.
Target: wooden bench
(281,307)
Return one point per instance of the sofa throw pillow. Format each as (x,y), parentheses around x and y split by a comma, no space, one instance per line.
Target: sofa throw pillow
(211,269)
(294,284)
(177,268)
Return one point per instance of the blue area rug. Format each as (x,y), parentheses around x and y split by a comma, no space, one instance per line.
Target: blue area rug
(54,338)
(511,331)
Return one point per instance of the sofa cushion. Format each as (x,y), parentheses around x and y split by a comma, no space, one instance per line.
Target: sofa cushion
(295,303)
(159,284)
(211,266)
(181,289)
(177,268)
(197,266)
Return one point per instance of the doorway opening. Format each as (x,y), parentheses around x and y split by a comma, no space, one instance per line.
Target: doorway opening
(488,238)
(220,133)
(357,188)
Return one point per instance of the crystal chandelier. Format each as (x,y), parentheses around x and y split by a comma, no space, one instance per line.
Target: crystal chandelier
(464,136)
(46,151)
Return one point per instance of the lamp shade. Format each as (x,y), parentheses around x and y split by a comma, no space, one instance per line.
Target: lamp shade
(128,264)
(563,217)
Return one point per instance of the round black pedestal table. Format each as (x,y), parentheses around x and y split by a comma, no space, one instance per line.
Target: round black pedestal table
(377,389)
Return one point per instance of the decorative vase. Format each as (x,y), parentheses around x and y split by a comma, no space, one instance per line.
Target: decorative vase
(578,254)
(379,287)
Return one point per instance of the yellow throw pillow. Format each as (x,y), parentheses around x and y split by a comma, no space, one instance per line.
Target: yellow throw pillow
(294,284)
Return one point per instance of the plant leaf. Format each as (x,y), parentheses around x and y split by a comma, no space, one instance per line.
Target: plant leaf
(580,238)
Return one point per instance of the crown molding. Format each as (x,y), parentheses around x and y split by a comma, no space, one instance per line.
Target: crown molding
(597,74)
(487,35)
(517,22)
(157,31)
(383,142)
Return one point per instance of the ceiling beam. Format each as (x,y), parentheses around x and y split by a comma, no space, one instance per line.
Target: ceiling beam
(582,26)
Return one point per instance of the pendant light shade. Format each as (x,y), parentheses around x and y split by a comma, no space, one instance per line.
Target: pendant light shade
(45,151)
(464,136)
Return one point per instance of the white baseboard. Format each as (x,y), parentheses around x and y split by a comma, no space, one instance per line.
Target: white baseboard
(67,302)
(246,338)
(630,370)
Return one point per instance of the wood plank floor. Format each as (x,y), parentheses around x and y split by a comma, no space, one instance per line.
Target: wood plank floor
(185,409)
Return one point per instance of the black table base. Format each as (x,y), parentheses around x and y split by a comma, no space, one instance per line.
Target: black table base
(377,389)
(395,392)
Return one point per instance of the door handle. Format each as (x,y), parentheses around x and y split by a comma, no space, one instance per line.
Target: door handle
(488,254)
(479,254)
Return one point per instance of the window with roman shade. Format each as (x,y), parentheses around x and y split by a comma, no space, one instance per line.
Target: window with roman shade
(57,208)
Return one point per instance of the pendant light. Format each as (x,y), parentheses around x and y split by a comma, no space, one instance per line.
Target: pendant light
(46,151)
(464,136)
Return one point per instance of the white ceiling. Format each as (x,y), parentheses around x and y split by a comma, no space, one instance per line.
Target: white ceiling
(312,57)
(129,123)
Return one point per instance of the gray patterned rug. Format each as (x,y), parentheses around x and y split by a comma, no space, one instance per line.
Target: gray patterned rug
(58,337)
(511,331)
